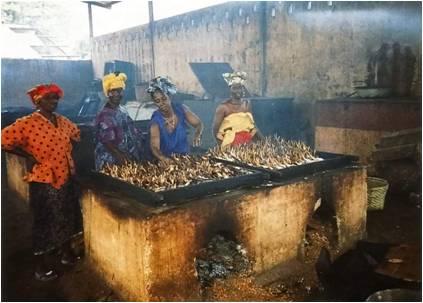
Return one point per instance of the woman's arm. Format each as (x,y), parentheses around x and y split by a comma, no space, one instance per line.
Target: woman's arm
(218,118)
(155,143)
(116,152)
(258,135)
(75,132)
(12,138)
(30,160)
(195,122)
(106,135)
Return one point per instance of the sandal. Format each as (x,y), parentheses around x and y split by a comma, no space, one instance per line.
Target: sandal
(69,260)
(46,276)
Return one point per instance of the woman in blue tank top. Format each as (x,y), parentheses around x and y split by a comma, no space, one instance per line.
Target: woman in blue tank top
(168,125)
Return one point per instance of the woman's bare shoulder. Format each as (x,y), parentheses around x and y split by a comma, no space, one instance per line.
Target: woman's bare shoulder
(224,105)
(225,102)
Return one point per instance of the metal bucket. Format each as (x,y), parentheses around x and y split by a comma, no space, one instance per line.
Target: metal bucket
(396,295)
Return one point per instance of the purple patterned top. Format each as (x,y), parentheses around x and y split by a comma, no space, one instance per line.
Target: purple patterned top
(117,127)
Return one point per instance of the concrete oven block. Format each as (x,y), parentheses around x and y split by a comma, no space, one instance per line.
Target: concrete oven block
(347,192)
(147,254)
(16,169)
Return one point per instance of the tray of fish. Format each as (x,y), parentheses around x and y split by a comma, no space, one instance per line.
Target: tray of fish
(281,159)
(186,177)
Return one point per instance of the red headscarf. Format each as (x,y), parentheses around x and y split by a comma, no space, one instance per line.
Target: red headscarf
(38,92)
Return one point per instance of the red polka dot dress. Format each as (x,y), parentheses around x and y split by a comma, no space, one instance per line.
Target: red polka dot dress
(49,145)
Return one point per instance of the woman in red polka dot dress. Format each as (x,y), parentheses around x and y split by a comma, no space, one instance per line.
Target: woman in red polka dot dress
(44,139)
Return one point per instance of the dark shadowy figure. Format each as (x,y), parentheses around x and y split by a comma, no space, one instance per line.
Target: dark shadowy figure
(379,69)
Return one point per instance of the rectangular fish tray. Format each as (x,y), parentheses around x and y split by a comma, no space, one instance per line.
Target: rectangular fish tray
(330,161)
(182,193)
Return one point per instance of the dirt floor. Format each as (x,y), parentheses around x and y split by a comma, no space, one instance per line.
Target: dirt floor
(399,222)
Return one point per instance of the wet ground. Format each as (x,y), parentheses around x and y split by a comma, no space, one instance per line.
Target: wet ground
(399,222)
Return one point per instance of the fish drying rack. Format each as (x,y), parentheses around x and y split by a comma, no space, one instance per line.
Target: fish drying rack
(254,176)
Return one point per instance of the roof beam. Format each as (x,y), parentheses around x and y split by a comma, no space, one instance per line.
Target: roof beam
(103,4)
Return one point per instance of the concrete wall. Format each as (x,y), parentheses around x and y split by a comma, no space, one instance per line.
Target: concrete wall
(311,52)
(214,34)
(318,53)
(19,75)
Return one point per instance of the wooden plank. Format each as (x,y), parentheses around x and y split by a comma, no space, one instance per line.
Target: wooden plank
(402,262)
(397,152)
(413,136)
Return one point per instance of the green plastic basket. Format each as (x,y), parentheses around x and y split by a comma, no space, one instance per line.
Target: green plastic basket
(376,192)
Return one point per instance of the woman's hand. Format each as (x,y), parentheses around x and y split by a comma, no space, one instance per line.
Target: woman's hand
(165,161)
(29,159)
(258,136)
(195,122)
(197,141)
(30,162)
(122,158)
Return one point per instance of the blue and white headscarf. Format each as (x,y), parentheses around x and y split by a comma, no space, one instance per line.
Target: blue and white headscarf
(235,78)
(162,84)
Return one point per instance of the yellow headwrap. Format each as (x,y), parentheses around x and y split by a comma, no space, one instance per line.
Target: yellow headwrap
(111,81)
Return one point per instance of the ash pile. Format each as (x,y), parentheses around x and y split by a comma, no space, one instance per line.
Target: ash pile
(220,259)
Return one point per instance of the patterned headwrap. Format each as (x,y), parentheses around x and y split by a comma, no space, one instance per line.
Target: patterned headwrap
(235,77)
(38,92)
(113,81)
(163,84)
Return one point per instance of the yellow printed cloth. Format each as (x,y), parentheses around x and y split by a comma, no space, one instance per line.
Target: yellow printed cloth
(233,124)
(113,81)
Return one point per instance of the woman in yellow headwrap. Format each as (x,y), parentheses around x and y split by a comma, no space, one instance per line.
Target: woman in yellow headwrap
(233,121)
(116,135)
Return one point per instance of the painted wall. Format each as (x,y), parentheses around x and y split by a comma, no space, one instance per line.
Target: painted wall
(19,75)
(312,52)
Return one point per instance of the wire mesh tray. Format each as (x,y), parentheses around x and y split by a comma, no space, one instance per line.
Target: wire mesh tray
(252,178)
(330,161)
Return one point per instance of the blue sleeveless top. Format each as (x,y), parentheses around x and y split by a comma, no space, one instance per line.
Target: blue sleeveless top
(177,141)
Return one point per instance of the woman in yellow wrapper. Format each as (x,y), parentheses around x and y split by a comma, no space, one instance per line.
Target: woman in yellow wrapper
(233,121)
